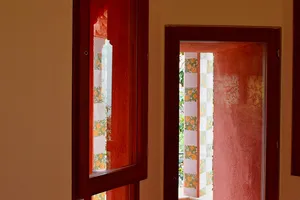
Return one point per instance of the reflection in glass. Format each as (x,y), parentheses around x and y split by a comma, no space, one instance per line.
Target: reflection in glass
(114,86)
(121,193)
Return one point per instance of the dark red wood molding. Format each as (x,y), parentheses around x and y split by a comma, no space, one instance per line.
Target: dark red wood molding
(84,185)
(296,92)
(272,38)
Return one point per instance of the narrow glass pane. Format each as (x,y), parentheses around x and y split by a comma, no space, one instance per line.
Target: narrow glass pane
(121,193)
(114,85)
(221,121)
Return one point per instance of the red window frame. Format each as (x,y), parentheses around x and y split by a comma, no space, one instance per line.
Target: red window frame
(85,185)
(295,169)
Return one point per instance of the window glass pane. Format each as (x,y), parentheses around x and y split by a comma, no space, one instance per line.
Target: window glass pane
(121,193)
(114,85)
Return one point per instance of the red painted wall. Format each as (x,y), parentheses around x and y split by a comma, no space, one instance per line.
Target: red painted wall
(238,123)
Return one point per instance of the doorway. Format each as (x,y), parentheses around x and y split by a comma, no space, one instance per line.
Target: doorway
(229,113)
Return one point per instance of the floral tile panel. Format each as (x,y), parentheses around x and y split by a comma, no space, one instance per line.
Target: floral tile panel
(191,123)
(191,94)
(191,99)
(99,128)
(191,152)
(191,65)
(100,161)
(99,96)
(190,181)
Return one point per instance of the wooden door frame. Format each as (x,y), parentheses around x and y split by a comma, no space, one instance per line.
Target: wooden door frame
(271,36)
(295,169)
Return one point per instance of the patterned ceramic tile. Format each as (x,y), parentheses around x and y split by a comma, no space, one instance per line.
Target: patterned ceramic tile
(202,192)
(202,151)
(98,61)
(191,94)
(209,122)
(190,181)
(210,94)
(210,66)
(98,95)
(190,152)
(203,80)
(191,65)
(209,137)
(202,109)
(99,161)
(209,163)
(206,123)
(202,166)
(202,137)
(209,150)
(203,123)
(203,95)
(100,196)
(209,178)
(191,123)
(100,128)
(194,156)
(190,134)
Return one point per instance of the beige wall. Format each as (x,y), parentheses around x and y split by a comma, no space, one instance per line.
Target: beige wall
(35,99)
(35,89)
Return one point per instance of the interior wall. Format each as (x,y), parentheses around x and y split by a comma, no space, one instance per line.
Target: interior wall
(238,124)
(35,85)
(35,102)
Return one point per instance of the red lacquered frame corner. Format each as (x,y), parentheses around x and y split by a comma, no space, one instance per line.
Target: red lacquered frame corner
(85,185)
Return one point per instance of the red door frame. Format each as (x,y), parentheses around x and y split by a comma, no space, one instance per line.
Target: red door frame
(272,38)
(296,87)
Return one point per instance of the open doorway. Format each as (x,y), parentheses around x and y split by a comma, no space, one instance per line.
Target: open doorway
(221,84)
(224,144)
